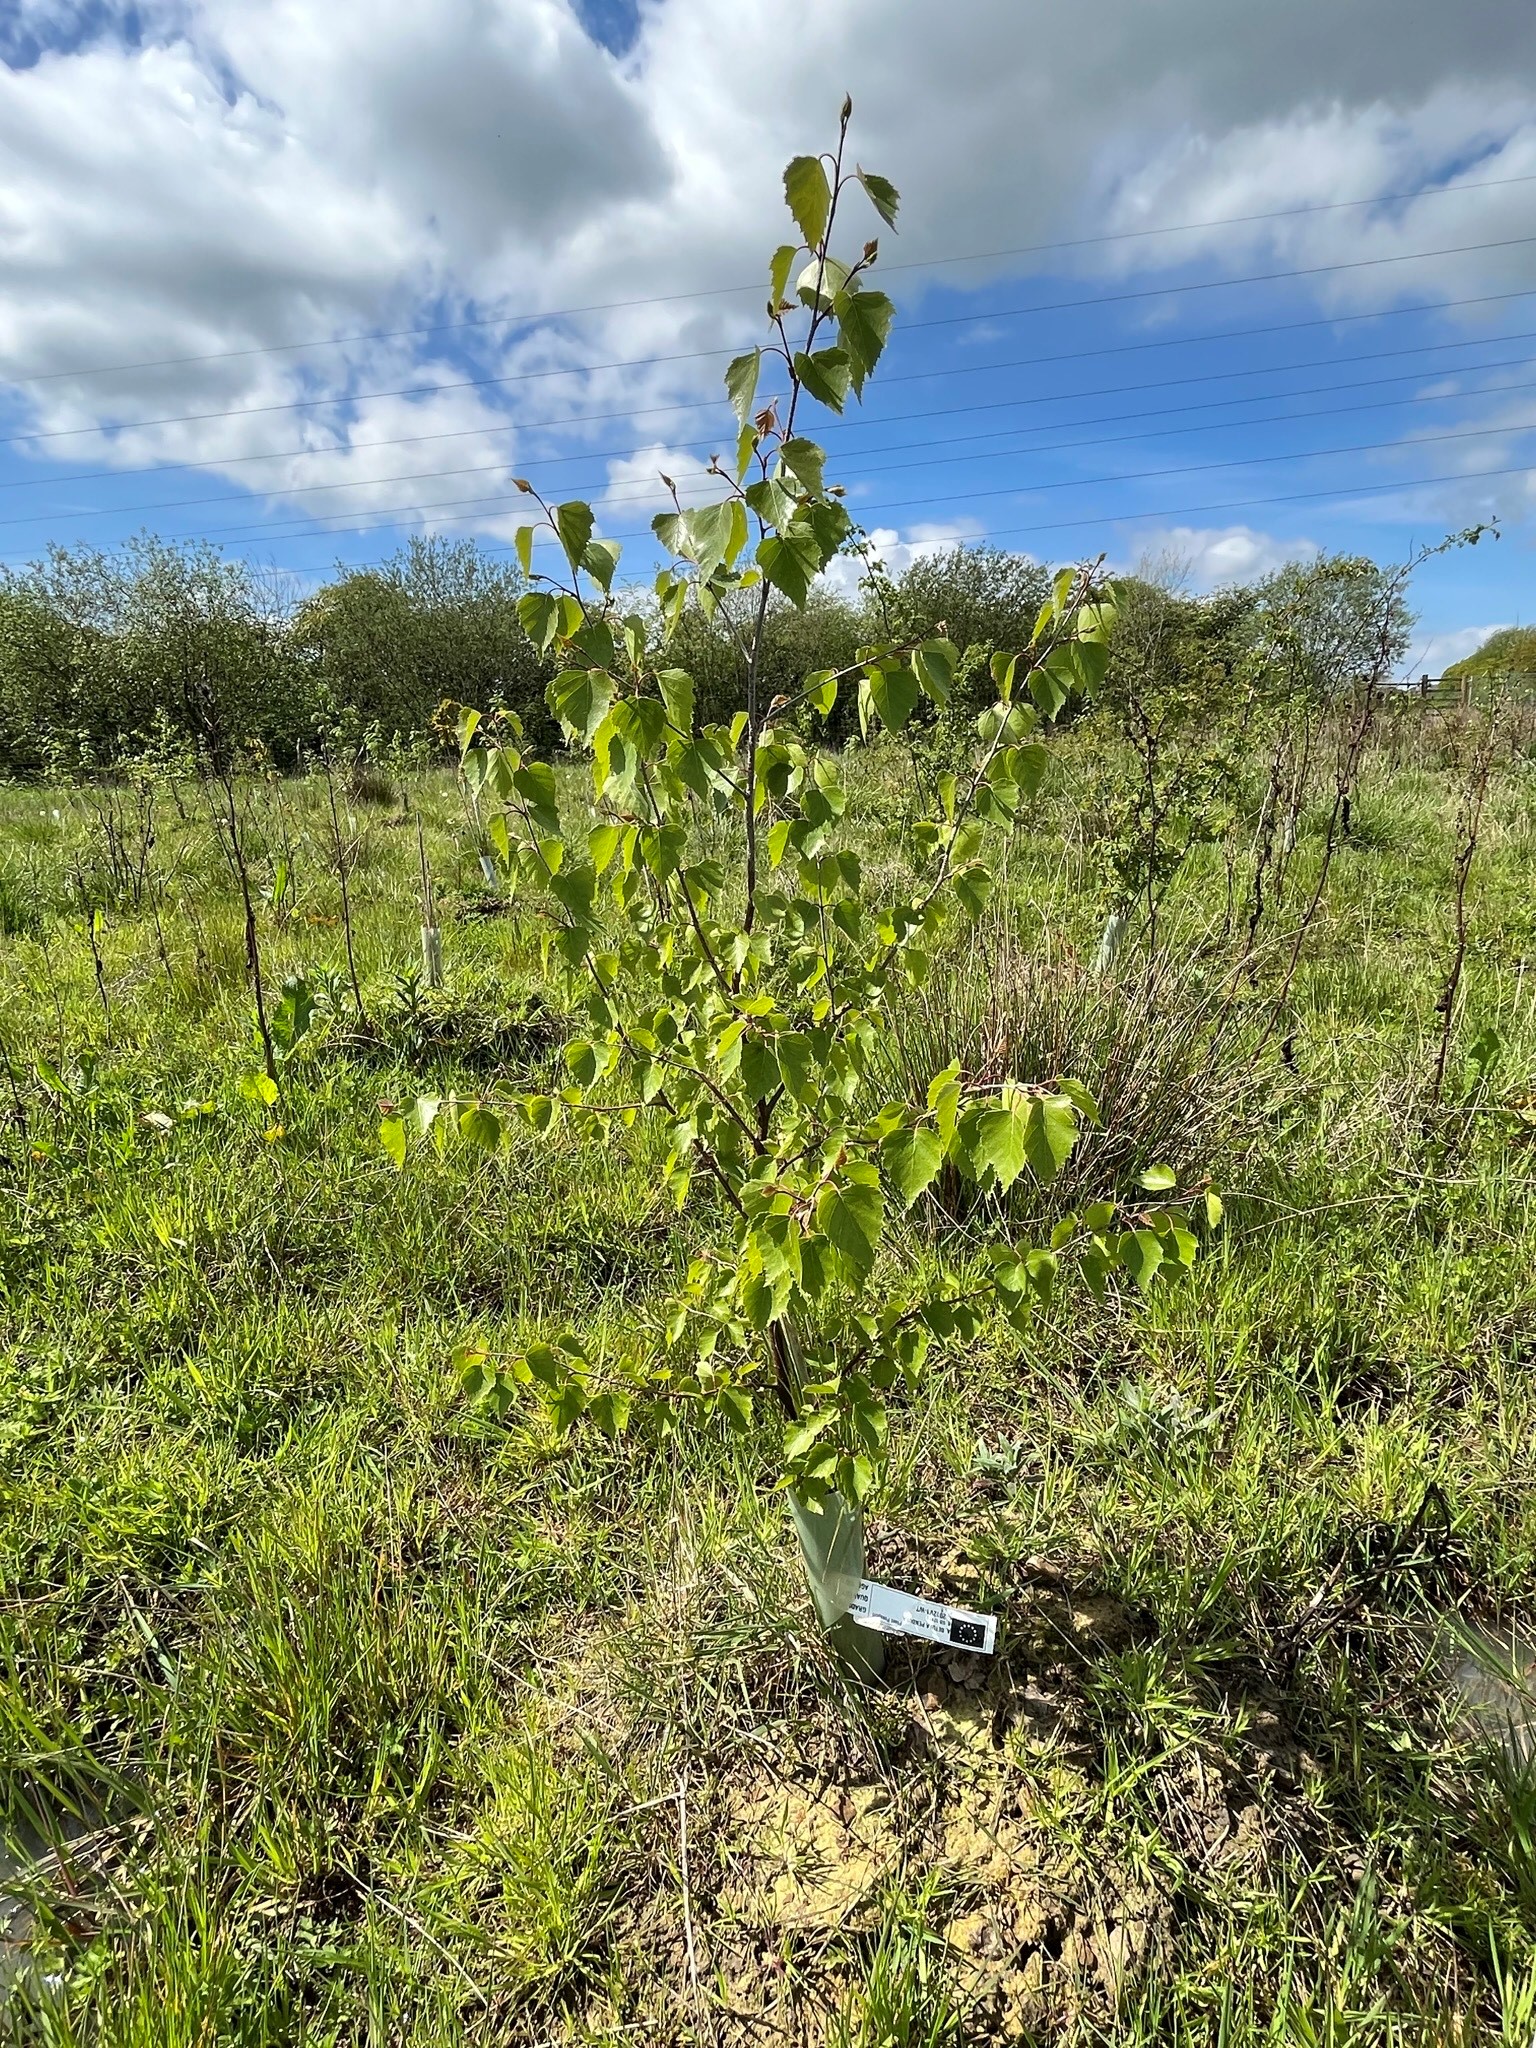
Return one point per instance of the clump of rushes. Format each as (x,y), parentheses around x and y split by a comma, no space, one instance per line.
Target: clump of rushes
(738,997)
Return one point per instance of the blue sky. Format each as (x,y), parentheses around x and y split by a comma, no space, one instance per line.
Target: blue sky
(262,259)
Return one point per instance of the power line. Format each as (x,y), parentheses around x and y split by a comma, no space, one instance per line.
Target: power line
(1412,483)
(894,448)
(1067,525)
(862,421)
(728,290)
(489,502)
(708,354)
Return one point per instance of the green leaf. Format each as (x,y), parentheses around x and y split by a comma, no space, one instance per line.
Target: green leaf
(1080,1100)
(1050,1135)
(759,1068)
(895,693)
(1184,1247)
(579,698)
(538,613)
(994,1137)
(523,541)
(600,558)
(806,463)
(574,888)
(574,523)
(828,519)
(944,1092)
(480,1127)
(610,1412)
(735,1404)
(797,1063)
(392,1138)
(863,323)
(676,687)
(974,885)
(1157,1179)
(593,640)
(1141,1253)
(882,195)
(849,1214)
(1024,766)
(789,561)
(668,529)
(911,1159)
(1041,1268)
(534,782)
(757,1301)
(821,691)
(1213,1210)
(538,1111)
(712,534)
(800,1436)
(741,384)
(778,271)
(820,281)
(488,1389)
(566,1409)
(1046,684)
(809,199)
(582,1060)
(934,664)
(827,375)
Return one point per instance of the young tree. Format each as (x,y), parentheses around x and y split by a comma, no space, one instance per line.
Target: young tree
(735,999)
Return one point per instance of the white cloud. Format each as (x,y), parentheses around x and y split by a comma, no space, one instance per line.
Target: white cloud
(1210,557)
(1311,156)
(895,550)
(199,176)
(637,485)
(1436,651)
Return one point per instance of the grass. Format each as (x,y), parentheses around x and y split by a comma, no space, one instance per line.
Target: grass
(331,1712)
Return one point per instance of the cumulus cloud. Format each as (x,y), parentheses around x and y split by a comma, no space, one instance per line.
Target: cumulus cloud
(643,483)
(1432,655)
(1209,558)
(894,549)
(216,178)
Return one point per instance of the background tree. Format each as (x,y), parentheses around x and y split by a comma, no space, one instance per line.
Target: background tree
(1507,656)
(714,647)
(438,620)
(100,650)
(1318,628)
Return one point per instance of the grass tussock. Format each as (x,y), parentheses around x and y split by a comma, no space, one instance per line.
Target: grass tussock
(1179,1065)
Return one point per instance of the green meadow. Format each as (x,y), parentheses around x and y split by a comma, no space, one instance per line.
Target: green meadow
(335,1708)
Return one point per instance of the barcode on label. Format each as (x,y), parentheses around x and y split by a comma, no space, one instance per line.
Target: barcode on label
(905,1614)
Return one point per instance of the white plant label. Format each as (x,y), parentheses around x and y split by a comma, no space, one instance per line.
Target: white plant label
(904,1614)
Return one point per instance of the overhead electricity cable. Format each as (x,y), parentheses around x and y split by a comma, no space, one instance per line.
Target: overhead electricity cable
(730,290)
(1411,483)
(493,501)
(704,355)
(858,422)
(992,454)
(1100,519)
